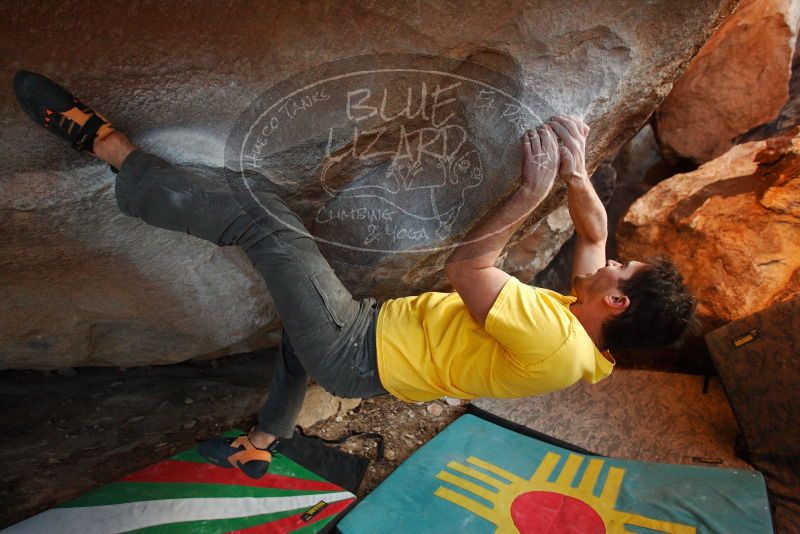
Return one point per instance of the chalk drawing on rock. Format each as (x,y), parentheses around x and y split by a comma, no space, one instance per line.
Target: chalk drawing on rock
(396,151)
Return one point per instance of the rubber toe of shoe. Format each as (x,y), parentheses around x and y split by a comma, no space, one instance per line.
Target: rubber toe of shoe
(218,450)
(35,93)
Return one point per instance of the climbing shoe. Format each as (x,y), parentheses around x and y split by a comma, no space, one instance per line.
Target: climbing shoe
(238,452)
(54,108)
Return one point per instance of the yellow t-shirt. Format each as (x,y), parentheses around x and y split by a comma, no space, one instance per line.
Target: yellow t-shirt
(429,346)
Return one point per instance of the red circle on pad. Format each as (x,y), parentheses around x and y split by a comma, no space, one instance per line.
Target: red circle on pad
(546,512)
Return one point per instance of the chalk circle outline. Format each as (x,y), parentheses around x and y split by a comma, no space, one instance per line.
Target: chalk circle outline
(236,174)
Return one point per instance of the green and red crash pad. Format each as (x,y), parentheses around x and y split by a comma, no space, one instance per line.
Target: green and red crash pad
(186,494)
(477,476)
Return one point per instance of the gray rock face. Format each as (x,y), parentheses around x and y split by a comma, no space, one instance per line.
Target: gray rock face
(80,284)
(537,251)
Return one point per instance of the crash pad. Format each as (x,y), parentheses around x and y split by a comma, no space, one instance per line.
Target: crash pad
(759,365)
(478,476)
(186,494)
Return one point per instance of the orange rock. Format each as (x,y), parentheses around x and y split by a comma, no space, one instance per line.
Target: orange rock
(732,226)
(738,80)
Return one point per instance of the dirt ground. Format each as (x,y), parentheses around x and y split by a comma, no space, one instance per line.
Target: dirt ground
(404,427)
(68,432)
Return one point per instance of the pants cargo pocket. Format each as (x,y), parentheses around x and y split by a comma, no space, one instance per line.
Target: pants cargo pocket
(335,297)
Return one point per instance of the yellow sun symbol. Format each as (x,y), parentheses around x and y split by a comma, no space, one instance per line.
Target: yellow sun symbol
(536,505)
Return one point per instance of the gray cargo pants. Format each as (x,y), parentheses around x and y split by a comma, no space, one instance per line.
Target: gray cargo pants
(326,333)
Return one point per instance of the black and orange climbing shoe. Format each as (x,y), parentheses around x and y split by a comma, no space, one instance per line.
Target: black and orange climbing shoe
(238,452)
(53,107)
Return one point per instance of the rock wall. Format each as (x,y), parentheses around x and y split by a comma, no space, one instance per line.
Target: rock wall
(790,113)
(80,284)
(537,251)
(739,80)
(732,226)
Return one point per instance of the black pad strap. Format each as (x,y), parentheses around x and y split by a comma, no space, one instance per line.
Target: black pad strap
(369,435)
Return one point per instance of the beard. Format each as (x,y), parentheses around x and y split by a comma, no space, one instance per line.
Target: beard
(577,282)
(588,286)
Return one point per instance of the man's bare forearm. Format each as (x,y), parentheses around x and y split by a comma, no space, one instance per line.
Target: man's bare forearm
(485,241)
(470,267)
(587,212)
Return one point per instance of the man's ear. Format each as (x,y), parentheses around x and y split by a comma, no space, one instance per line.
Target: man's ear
(617,303)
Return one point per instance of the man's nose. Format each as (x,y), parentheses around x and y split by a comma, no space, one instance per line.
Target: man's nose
(612,263)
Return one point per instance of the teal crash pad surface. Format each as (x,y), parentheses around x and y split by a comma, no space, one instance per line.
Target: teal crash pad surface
(477,476)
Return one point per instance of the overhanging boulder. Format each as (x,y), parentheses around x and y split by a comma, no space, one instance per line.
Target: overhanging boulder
(80,284)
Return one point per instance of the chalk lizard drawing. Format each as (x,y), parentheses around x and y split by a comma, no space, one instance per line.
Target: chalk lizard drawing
(427,178)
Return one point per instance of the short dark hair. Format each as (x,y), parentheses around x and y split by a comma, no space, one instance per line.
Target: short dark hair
(661,310)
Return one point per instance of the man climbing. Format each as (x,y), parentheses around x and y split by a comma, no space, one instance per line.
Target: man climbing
(494,336)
